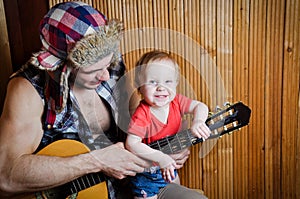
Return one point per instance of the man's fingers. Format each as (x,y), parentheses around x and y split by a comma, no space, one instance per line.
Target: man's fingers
(141,163)
(137,168)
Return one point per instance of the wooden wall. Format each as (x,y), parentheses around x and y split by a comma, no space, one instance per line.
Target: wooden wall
(229,50)
(5,61)
(19,20)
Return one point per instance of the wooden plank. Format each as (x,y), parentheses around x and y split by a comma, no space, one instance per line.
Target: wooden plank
(23,28)
(192,172)
(274,42)
(176,27)
(240,93)
(176,42)
(290,101)
(176,38)
(256,101)
(297,184)
(161,21)
(210,43)
(224,93)
(15,33)
(6,65)
(146,30)
(30,25)
(208,68)
(131,24)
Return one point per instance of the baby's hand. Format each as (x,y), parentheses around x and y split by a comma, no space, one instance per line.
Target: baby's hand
(167,165)
(168,173)
(200,129)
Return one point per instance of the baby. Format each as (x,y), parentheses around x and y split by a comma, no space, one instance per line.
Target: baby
(159,115)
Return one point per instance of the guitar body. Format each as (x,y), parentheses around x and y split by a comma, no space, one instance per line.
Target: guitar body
(65,148)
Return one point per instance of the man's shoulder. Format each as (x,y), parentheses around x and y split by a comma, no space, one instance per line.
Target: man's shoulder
(19,84)
(31,77)
(22,100)
(20,87)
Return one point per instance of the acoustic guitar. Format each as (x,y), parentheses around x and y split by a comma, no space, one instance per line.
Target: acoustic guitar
(90,186)
(226,120)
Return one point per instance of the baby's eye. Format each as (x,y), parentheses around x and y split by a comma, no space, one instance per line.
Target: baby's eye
(152,82)
(169,81)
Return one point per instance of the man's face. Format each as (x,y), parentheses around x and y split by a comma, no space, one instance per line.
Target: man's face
(91,76)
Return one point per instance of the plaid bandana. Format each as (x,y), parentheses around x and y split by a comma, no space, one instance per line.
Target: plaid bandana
(77,33)
(62,27)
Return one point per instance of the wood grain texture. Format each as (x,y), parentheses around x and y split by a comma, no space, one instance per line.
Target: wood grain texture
(238,50)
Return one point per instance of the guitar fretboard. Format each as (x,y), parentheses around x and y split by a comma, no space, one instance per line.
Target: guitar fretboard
(74,186)
(174,143)
(86,181)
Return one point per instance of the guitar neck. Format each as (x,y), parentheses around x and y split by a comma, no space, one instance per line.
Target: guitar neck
(178,142)
(85,182)
(174,143)
(220,123)
(73,187)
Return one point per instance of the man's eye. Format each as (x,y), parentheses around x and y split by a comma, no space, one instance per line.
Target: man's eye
(169,81)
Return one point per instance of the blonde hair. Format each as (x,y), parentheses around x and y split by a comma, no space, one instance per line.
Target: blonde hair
(150,57)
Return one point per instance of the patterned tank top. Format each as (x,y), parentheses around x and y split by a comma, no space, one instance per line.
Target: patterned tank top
(69,123)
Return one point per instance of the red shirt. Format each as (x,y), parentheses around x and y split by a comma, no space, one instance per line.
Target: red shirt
(145,125)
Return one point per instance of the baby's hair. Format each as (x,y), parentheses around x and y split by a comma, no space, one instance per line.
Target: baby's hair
(150,57)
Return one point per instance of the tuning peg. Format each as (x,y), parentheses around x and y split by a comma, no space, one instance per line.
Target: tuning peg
(225,128)
(218,108)
(226,104)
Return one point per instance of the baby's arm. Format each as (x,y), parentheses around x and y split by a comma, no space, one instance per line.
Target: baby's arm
(200,112)
(135,145)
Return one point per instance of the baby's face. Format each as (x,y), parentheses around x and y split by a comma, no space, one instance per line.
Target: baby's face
(159,83)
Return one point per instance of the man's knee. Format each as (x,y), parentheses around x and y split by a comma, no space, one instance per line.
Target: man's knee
(175,191)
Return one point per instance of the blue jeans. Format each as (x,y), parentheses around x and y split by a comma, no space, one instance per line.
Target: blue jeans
(148,183)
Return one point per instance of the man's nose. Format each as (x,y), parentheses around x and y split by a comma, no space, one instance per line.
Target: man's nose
(103,75)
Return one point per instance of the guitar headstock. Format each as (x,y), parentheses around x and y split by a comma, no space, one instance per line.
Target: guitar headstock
(228,119)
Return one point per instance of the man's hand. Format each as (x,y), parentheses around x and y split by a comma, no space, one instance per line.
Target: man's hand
(117,162)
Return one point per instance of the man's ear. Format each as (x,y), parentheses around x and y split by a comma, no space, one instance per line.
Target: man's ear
(73,73)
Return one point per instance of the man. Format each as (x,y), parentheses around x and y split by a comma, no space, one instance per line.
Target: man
(65,92)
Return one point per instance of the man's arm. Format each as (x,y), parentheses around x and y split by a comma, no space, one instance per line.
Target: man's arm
(20,135)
